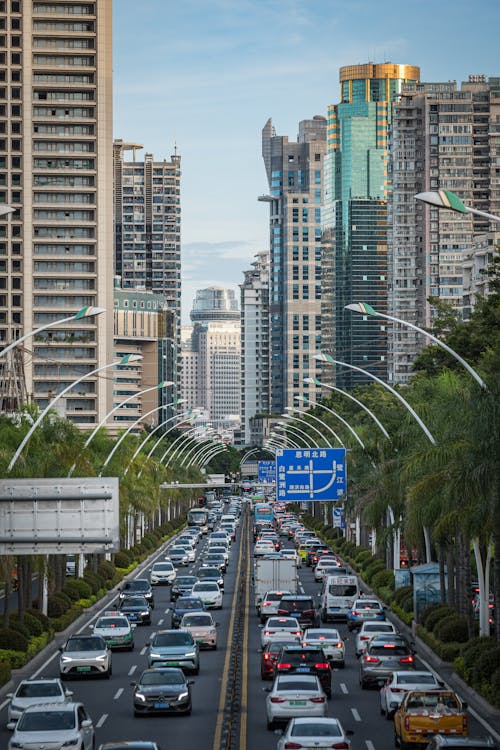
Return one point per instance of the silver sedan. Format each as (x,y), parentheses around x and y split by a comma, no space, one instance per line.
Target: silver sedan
(292,696)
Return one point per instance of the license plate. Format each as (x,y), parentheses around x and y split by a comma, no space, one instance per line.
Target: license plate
(132,617)
(162,705)
(303,670)
(83,669)
(297,703)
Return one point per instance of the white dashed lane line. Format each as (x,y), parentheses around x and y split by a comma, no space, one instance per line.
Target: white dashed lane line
(356,715)
(132,670)
(101,721)
(369,744)
(143,650)
(118,693)
(343,687)
(160,622)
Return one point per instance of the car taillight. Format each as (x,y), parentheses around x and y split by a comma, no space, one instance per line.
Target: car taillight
(396,690)
(297,632)
(284,666)
(406,660)
(275,699)
(267,632)
(292,745)
(266,657)
(322,665)
(308,612)
(465,723)
(339,644)
(282,612)
(341,746)
(364,637)
(354,613)
(319,699)
(266,604)
(371,659)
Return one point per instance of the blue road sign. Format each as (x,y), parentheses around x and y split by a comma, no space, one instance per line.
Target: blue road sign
(311,474)
(338,518)
(266,472)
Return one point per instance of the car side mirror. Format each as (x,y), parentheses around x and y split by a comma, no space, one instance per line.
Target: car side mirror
(68,693)
(11,725)
(349,732)
(148,643)
(465,705)
(266,689)
(86,723)
(61,649)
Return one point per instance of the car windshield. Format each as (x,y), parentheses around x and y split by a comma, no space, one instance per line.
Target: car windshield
(378,628)
(316,730)
(295,658)
(186,581)
(417,679)
(163,566)
(46,721)
(433,700)
(281,622)
(273,597)
(297,605)
(206,587)
(298,683)
(367,605)
(189,604)
(323,635)
(173,639)
(136,601)
(137,585)
(38,690)
(85,644)
(199,620)
(162,677)
(112,622)
(388,649)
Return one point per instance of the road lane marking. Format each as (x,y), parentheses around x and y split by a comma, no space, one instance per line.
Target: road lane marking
(101,721)
(356,715)
(132,670)
(160,622)
(143,650)
(118,693)
(369,744)
(343,687)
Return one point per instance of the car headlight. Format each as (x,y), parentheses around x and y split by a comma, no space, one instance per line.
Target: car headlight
(145,613)
(14,707)
(181,696)
(140,697)
(152,655)
(71,743)
(190,654)
(102,657)
(66,659)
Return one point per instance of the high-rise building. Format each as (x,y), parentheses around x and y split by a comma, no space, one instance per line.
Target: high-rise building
(294,173)
(446,137)
(147,222)
(255,342)
(356,192)
(56,170)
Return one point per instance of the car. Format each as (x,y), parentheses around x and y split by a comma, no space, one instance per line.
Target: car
(221,536)
(174,648)
(162,690)
(212,559)
(326,566)
(182,586)
(330,641)
(399,683)
(85,656)
(262,547)
(275,628)
(162,572)
(189,548)
(33,692)
(382,657)
(53,725)
(209,593)
(269,604)
(136,609)
(179,556)
(449,742)
(320,732)
(182,605)
(130,745)
(364,609)
(315,552)
(202,627)
(369,630)
(212,574)
(298,659)
(115,629)
(269,655)
(300,606)
(424,713)
(138,587)
(292,696)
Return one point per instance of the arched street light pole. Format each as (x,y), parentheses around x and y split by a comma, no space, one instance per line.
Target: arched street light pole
(181,418)
(327,358)
(294,418)
(296,410)
(451,202)
(379,424)
(318,405)
(284,439)
(365,309)
(185,437)
(149,436)
(297,432)
(204,452)
(208,433)
(85,312)
(117,363)
(206,459)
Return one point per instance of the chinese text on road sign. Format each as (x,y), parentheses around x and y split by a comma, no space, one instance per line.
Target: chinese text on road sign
(311,474)
(266,472)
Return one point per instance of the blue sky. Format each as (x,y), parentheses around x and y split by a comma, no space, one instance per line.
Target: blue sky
(207,74)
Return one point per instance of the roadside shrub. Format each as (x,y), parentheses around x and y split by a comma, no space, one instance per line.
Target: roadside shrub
(31,624)
(43,619)
(486,663)
(428,610)
(106,570)
(64,620)
(16,659)
(402,593)
(363,558)
(147,542)
(5,672)
(452,629)
(63,598)
(438,614)
(473,650)
(372,569)
(384,579)
(122,559)
(77,589)
(407,602)
(55,607)
(495,688)
(19,627)
(13,639)
(94,580)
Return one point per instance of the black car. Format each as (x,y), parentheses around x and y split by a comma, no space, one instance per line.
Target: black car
(212,559)
(211,574)
(138,587)
(137,609)
(162,690)
(301,607)
(305,660)
(182,605)
(182,586)
(312,555)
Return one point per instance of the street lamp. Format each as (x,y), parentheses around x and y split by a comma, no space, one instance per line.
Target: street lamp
(317,419)
(297,432)
(205,451)
(284,439)
(130,428)
(315,381)
(448,200)
(287,415)
(366,309)
(117,363)
(184,437)
(85,312)
(206,434)
(327,358)
(206,459)
(335,414)
(159,386)
(148,437)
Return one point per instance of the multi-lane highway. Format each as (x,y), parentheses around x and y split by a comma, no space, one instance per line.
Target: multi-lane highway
(228,694)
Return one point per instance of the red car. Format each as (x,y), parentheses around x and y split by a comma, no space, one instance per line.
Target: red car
(269,655)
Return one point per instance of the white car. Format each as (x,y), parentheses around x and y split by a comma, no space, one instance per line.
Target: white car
(270,603)
(329,640)
(262,547)
(84,656)
(370,629)
(34,692)
(399,683)
(314,733)
(115,630)
(220,549)
(189,549)
(202,627)
(276,627)
(326,566)
(294,695)
(209,592)
(53,725)
(162,572)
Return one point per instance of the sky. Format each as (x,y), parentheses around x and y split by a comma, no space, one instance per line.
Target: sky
(207,74)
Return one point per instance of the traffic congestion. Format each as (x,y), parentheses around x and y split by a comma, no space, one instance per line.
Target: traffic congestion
(244,589)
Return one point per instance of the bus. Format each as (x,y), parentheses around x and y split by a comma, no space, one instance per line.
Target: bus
(263,512)
(198,517)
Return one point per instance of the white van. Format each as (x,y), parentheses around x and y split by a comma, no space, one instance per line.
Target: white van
(337,596)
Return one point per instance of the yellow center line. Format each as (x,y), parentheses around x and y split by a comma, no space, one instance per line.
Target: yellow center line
(244,672)
(227,660)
